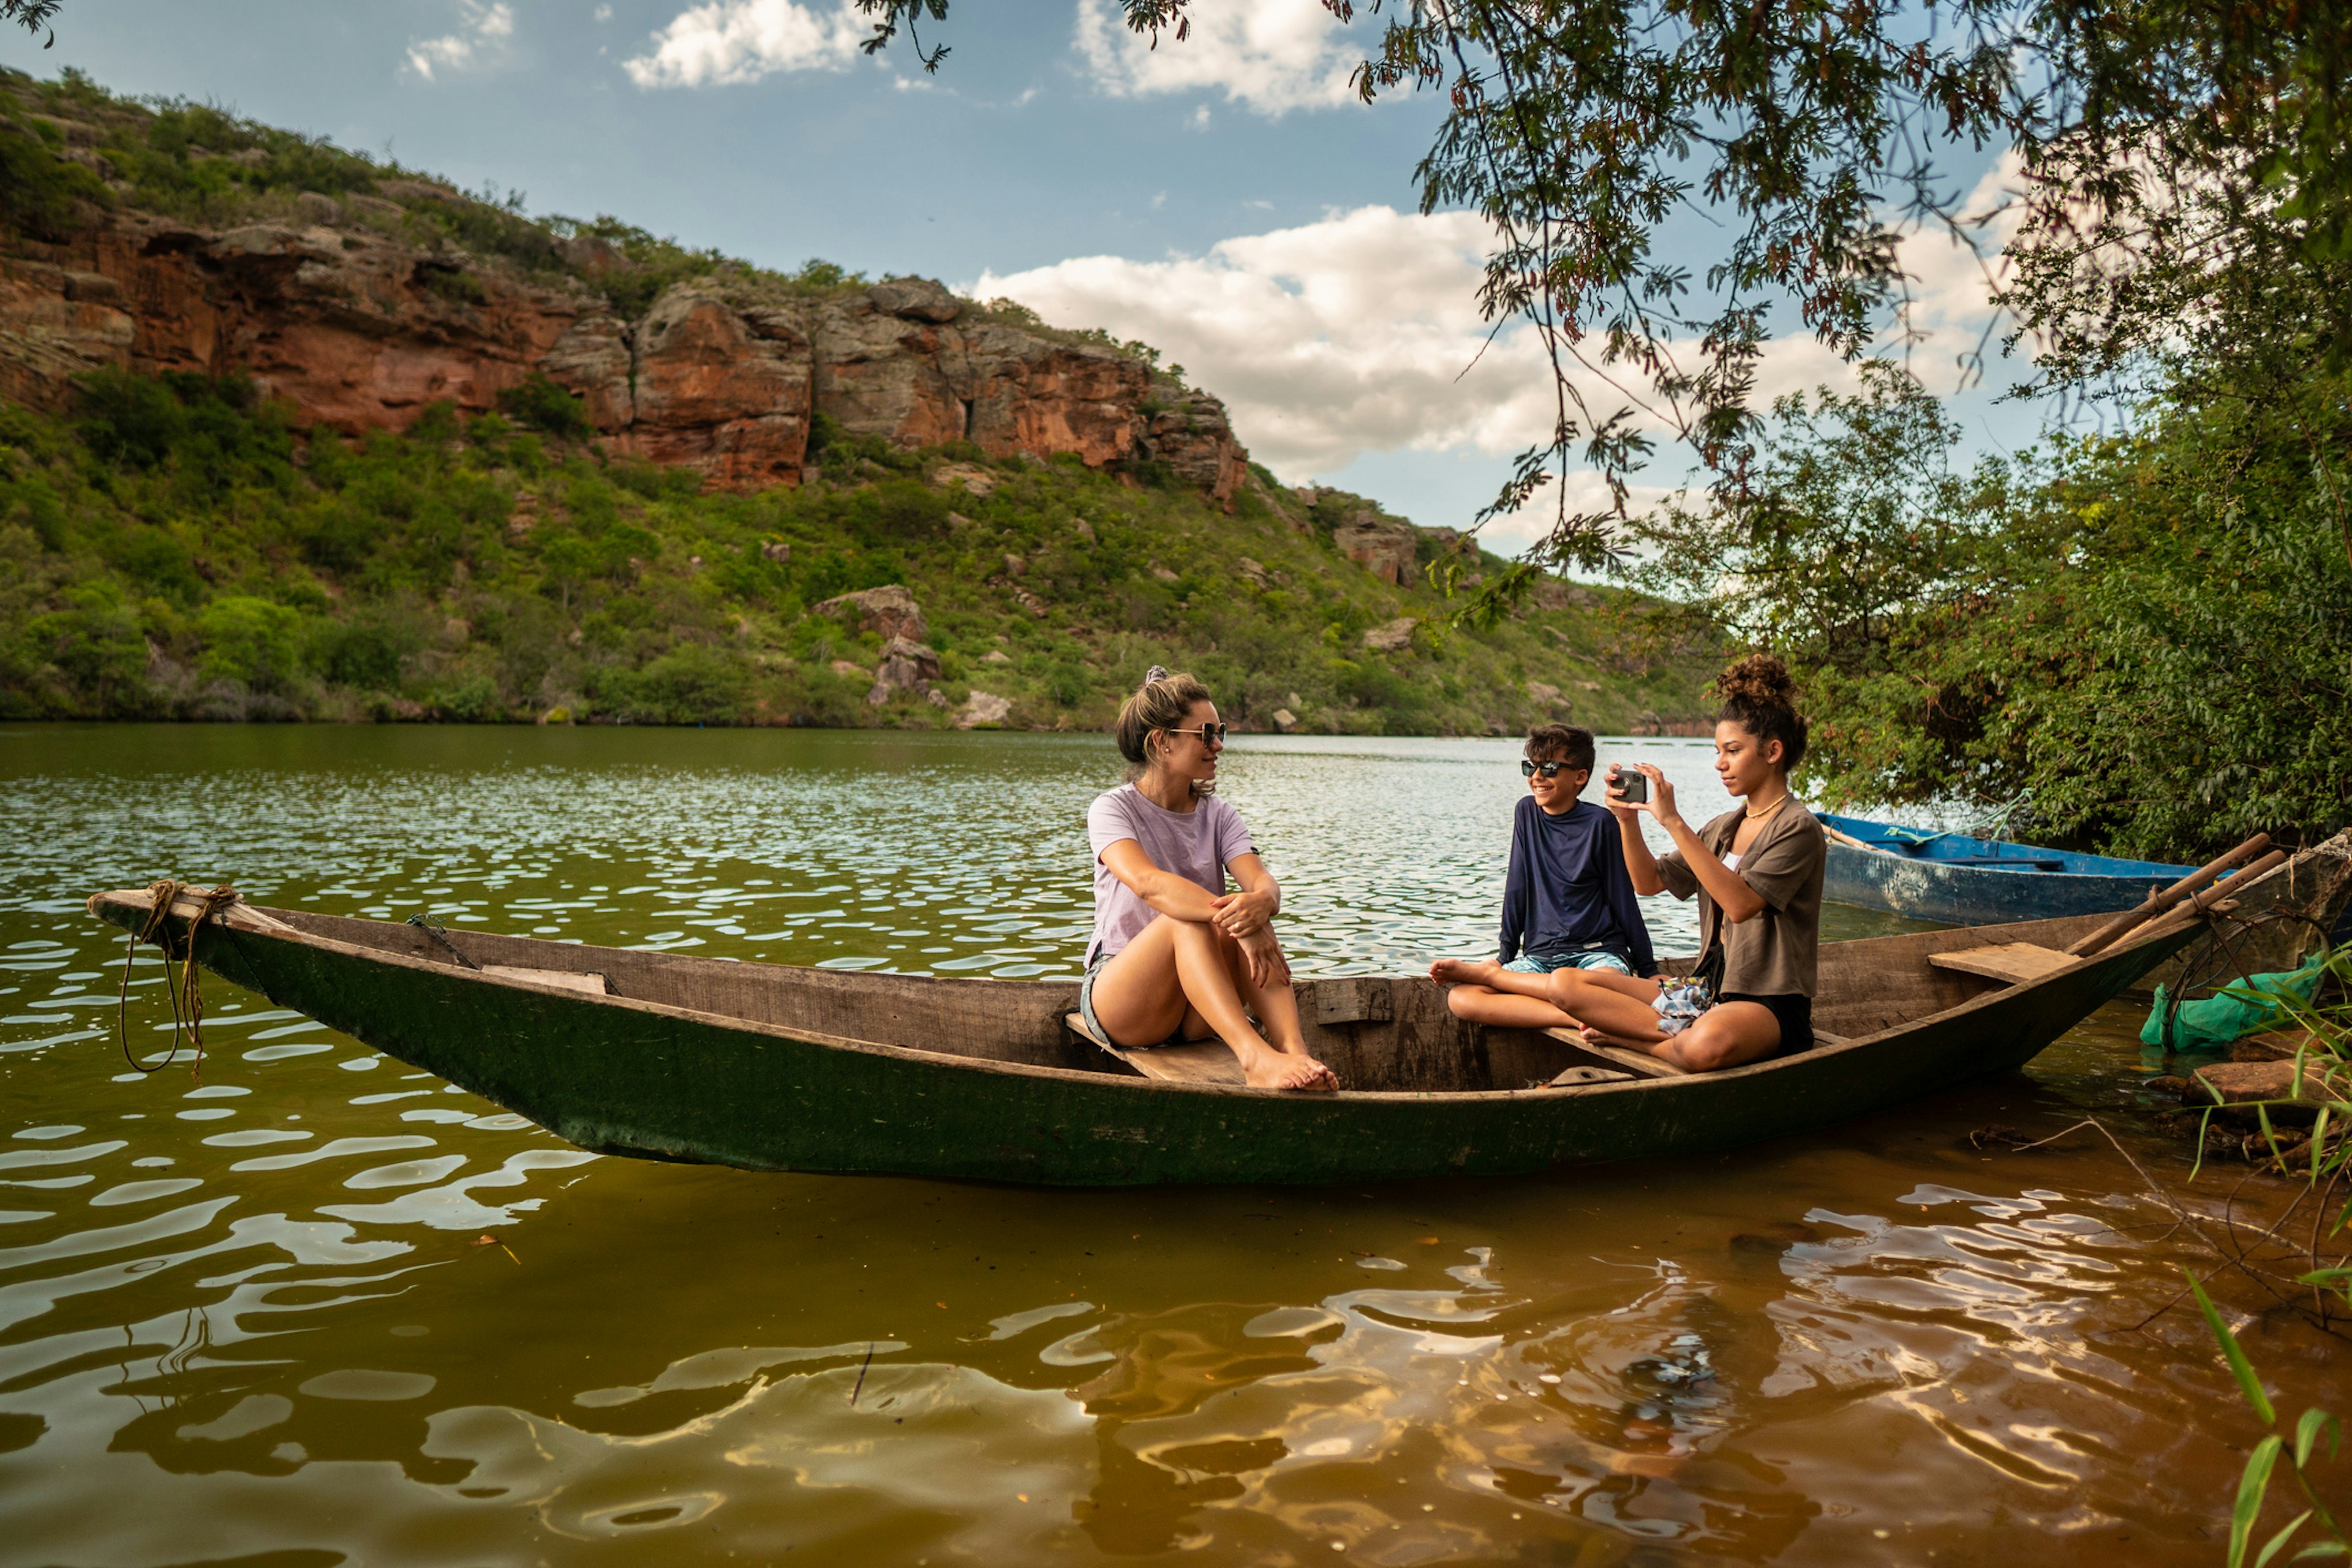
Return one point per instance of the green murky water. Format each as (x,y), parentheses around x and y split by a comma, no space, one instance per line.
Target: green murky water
(250,1314)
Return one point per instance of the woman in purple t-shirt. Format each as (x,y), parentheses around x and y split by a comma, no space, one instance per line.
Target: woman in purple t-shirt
(1172,951)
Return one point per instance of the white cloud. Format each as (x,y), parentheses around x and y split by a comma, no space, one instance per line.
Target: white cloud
(481,39)
(1273,55)
(1358,332)
(728,41)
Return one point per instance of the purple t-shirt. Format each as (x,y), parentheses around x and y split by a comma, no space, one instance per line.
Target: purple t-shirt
(1197,844)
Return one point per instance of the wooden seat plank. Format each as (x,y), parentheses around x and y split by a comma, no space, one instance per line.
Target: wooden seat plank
(1641,1062)
(1211,1062)
(2013,961)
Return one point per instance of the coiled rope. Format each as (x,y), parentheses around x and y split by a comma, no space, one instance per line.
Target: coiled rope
(187,1000)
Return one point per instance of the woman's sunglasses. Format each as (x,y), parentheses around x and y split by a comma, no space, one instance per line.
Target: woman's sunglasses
(1211,734)
(1550,770)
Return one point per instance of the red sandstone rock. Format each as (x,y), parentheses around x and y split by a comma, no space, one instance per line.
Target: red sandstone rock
(722,388)
(1386,547)
(359,332)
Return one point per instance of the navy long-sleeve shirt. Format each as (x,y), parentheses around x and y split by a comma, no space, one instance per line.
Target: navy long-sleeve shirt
(1567,886)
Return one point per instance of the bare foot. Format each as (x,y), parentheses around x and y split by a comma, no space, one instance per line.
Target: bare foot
(1593,1036)
(1286,1069)
(1460,971)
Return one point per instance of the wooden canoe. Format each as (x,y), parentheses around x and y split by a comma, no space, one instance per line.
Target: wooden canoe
(665,1056)
(1960,880)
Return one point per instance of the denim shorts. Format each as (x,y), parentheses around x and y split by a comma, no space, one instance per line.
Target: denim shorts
(1586,958)
(1087,997)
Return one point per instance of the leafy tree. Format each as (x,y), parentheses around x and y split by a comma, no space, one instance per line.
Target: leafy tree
(252,641)
(2183,159)
(2148,634)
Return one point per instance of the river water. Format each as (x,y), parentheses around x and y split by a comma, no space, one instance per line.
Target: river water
(308,1306)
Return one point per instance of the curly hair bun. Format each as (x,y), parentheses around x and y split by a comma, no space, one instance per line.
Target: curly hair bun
(1759,695)
(1761,678)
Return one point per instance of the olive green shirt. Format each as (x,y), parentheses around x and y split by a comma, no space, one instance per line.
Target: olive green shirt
(1775,954)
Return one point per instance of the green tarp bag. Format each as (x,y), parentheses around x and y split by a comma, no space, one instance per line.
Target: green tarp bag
(2240,1008)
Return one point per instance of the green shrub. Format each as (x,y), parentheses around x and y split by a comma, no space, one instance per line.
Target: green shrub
(250,640)
(364,654)
(42,188)
(539,404)
(472,700)
(96,644)
(215,435)
(693,684)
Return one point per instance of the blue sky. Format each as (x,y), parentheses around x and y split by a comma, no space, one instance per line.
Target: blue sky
(1223,197)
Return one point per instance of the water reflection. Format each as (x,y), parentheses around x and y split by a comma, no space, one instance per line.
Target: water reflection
(308,1301)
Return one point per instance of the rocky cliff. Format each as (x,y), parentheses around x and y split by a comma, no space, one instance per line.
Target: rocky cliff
(362,307)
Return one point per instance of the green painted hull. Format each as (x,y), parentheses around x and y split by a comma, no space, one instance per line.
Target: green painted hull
(625,1075)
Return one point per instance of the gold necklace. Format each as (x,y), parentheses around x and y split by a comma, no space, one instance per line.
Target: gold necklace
(1759,815)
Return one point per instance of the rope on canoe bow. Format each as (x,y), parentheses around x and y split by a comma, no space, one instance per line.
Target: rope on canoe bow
(187,1000)
(440,933)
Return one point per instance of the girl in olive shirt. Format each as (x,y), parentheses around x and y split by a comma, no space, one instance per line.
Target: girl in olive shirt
(1757,871)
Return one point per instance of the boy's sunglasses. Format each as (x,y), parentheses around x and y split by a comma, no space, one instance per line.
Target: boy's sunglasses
(1550,770)
(1211,734)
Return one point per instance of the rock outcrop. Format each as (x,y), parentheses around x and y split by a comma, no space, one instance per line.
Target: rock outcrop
(1386,547)
(983,711)
(907,666)
(890,612)
(361,330)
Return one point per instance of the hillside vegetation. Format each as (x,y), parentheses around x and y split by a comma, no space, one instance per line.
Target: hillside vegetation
(173,546)
(180,550)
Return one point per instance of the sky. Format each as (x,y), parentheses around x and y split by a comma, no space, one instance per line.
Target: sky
(1224,198)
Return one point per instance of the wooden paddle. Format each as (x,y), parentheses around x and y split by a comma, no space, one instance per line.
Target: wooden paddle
(2165,899)
(1850,841)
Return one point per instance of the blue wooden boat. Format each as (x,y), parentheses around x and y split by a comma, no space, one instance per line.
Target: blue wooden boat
(1960,880)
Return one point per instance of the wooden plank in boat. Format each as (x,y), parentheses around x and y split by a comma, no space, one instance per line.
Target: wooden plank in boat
(1641,1062)
(1212,1062)
(2014,962)
(586,985)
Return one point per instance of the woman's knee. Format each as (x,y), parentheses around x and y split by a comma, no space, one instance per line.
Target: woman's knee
(1715,1042)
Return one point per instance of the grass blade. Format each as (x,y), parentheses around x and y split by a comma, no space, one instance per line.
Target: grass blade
(2239,1365)
(2263,1558)
(2251,1485)
(2306,1434)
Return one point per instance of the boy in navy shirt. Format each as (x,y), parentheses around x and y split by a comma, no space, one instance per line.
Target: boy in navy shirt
(1568,901)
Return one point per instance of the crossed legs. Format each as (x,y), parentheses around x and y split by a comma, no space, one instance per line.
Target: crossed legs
(1190,976)
(1611,1008)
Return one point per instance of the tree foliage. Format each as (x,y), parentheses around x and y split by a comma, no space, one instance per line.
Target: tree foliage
(2147,636)
(2175,155)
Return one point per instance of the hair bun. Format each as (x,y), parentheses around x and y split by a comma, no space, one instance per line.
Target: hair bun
(1156,672)
(1760,677)
(1759,695)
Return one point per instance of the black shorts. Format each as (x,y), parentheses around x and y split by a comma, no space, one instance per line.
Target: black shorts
(1794,1012)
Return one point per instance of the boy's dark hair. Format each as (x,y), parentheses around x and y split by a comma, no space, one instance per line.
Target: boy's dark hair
(1569,743)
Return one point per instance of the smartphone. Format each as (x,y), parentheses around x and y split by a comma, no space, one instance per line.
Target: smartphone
(1632,787)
